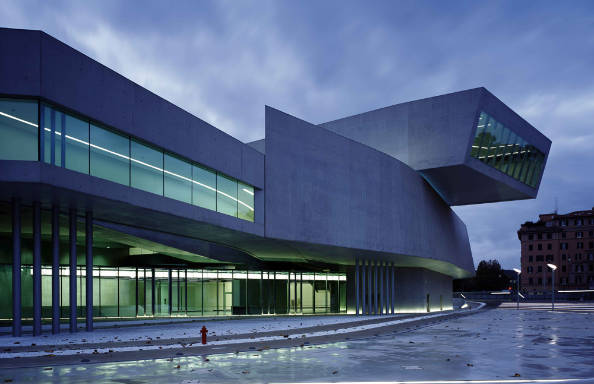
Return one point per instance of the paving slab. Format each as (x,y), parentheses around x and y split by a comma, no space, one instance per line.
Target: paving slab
(499,345)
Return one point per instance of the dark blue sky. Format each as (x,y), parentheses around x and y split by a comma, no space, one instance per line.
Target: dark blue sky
(320,60)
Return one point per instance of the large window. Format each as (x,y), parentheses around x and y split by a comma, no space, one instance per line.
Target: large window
(499,147)
(76,151)
(204,191)
(178,179)
(226,195)
(53,128)
(127,292)
(66,140)
(110,155)
(146,168)
(18,130)
(245,201)
(83,146)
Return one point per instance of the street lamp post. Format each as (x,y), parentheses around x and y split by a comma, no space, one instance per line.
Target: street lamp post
(516,270)
(553,268)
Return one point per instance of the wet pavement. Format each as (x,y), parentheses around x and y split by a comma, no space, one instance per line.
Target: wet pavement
(497,344)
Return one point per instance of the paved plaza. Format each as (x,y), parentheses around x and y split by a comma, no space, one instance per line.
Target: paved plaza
(493,344)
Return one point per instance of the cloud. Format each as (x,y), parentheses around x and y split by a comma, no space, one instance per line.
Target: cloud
(223,61)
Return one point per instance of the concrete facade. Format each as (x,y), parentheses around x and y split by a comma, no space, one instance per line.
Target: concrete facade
(421,290)
(433,136)
(368,196)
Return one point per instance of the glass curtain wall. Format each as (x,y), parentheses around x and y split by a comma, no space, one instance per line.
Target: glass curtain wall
(139,291)
(18,130)
(78,144)
(501,148)
(121,292)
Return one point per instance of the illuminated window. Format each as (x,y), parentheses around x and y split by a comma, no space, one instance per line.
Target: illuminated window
(245,206)
(178,179)
(18,130)
(226,195)
(83,146)
(497,146)
(110,155)
(147,168)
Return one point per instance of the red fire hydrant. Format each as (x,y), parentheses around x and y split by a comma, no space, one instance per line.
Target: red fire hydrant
(203,331)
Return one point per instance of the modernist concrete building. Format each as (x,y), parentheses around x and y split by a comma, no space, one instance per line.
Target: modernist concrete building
(116,203)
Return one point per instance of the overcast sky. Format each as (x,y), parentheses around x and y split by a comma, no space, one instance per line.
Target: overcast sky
(321,60)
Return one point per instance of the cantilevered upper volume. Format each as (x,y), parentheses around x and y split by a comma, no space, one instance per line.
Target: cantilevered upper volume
(335,199)
(468,145)
(160,188)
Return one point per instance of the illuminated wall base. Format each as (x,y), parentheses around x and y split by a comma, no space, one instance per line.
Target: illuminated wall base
(420,291)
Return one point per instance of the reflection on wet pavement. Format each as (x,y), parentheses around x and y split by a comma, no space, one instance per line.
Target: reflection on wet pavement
(493,344)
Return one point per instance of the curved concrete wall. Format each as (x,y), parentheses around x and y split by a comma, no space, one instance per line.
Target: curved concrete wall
(323,188)
(319,196)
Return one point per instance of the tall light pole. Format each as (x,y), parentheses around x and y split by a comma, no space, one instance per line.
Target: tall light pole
(553,268)
(516,270)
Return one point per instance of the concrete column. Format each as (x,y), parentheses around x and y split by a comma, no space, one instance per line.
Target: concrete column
(375,291)
(144,286)
(153,305)
(386,289)
(72,262)
(388,285)
(36,268)
(136,292)
(16,267)
(313,294)
(301,293)
(369,288)
(89,268)
(393,283)
(363,289)
(55,269)
(261,293)
(274,294)
(381,287)
(295,292)
(170,291)
(289,308)
(338,296)
(357,286)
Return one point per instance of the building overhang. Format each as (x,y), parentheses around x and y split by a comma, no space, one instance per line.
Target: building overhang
(435,136)
(191,229)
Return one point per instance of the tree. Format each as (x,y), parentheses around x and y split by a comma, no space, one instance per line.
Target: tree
(489,277)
